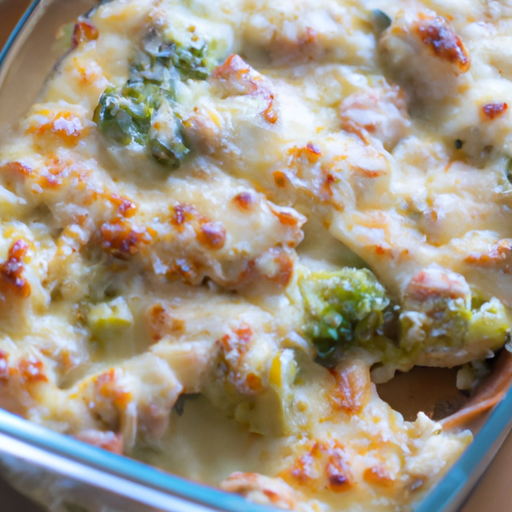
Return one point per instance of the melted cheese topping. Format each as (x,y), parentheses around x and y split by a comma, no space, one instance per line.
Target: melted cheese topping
(160,311)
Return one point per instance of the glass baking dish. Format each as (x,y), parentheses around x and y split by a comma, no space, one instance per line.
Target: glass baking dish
(66,475)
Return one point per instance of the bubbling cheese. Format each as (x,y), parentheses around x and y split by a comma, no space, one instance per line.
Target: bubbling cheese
(223,222)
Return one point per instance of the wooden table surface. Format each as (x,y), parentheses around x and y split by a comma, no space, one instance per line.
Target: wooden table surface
(494,492)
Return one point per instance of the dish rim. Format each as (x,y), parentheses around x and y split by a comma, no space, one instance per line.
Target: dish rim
(14,36)
(447,495)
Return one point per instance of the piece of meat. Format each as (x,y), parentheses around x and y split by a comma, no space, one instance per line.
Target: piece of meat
(380,111)
(425,55)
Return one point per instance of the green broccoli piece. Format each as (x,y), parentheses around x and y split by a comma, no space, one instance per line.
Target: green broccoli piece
(123,117)
(490,323)
(438,322)
(160,54)
(342,308)
(142,110)
(441,322)
(192,62)
(349,310)
(165,141)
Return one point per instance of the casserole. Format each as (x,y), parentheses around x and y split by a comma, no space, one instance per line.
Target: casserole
(16,116)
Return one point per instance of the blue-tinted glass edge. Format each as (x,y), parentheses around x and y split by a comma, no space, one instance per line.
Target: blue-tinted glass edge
(448,490)
(126,468)
(16,32)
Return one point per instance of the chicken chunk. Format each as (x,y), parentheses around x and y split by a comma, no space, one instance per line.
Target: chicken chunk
(425,54)
(380,111)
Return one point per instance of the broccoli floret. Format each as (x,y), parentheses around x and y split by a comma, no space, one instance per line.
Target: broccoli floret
(441,315)
(490,323)
(451,331)
(439,322)
(192,62)
(349,310)
(159,53)
(142,114)
(342,308)
(166,143)
(123,118)
(142,110)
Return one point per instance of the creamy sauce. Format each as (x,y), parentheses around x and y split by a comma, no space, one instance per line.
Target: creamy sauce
(179,211)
